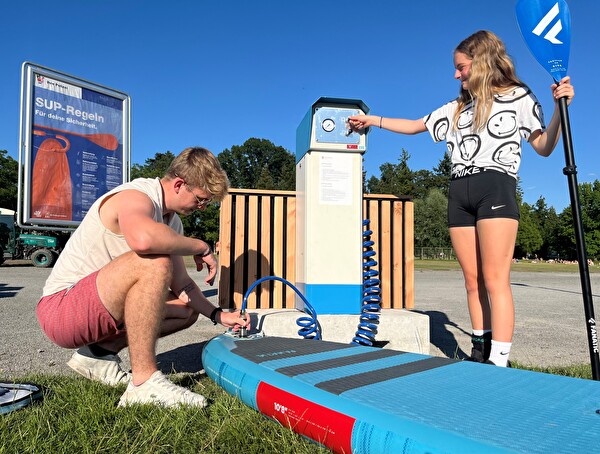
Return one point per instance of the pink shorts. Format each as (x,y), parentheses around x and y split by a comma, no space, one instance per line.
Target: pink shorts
(75,317)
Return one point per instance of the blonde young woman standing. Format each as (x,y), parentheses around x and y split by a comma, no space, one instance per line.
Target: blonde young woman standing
(483,129)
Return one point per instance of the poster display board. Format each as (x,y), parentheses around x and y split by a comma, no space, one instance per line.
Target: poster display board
(75,145)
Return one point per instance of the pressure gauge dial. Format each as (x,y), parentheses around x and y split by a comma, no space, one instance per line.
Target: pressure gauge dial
(328,125)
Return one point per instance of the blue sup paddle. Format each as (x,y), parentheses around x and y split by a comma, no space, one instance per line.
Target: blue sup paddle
(546,28)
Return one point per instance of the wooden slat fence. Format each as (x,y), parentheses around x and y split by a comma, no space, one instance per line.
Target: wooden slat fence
(258,238)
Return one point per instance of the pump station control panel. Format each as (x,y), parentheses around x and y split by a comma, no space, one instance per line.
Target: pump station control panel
(325,127)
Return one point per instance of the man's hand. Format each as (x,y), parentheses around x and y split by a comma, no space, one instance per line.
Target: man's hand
(234,320)
(211,266)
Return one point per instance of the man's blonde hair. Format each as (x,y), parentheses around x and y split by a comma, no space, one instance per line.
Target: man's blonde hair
(492,72)
(200,169)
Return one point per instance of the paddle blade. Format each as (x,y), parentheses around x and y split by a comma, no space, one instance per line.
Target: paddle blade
(546,28)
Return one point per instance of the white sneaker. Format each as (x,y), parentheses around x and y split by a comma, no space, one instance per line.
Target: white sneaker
(160,391)
(106,369)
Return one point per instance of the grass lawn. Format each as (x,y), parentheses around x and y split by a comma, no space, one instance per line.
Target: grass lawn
(523,265)
(81,416)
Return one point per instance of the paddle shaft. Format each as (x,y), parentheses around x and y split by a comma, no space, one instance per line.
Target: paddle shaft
(570,171)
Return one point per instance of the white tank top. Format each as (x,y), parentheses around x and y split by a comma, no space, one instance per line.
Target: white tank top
(92,246)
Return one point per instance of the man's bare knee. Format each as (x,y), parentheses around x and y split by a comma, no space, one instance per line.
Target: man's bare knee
(116,280)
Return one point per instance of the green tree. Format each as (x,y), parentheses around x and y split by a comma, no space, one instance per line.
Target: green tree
(590,212)
(442,174)
(431,227)
(9,171)
(547,221)
(565,235)
(529,238)
(589,201)
(259,164)
(265,179)
(423,181)
(396,179)
(154,167)
(371,186)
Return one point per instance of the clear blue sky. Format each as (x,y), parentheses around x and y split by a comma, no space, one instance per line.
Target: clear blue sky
(217,73)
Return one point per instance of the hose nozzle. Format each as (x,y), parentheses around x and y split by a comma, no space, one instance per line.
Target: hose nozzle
(243,329)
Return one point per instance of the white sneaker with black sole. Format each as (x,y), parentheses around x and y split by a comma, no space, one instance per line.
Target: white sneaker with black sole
(158,390)
(106,369)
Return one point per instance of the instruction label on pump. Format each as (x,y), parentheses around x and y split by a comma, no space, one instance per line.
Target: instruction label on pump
(335,178)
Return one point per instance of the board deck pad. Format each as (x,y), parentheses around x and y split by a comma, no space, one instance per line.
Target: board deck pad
(357,399)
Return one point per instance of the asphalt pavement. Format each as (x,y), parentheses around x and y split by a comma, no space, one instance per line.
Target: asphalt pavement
(550,323)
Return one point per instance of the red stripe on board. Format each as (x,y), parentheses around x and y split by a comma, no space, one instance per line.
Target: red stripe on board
(321,424)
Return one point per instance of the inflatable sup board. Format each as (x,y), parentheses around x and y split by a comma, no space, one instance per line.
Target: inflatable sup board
(357,399)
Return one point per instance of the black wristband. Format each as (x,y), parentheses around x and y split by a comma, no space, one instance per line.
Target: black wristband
(207,252)
(213,314)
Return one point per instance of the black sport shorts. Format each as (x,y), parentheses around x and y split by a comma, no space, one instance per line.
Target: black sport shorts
(485,195)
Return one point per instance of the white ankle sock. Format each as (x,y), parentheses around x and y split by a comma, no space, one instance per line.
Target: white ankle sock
(500,352)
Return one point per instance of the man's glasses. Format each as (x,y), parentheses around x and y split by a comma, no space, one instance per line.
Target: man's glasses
(202,202)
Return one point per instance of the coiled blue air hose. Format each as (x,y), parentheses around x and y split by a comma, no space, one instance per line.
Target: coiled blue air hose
(370,306)
(371,302)
(309,327)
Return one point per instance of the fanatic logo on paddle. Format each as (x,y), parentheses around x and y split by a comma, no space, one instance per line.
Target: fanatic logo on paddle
(545,22)
(546,28)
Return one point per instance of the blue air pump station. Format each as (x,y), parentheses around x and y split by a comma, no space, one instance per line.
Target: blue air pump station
(329,196)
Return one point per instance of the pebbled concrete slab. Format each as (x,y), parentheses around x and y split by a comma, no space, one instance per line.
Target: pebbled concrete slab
(397,329)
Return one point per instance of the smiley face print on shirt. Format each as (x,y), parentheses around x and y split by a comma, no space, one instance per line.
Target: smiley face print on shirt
(513,116)
(503,124)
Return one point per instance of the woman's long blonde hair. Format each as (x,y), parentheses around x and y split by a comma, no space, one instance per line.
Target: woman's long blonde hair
(492,72)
